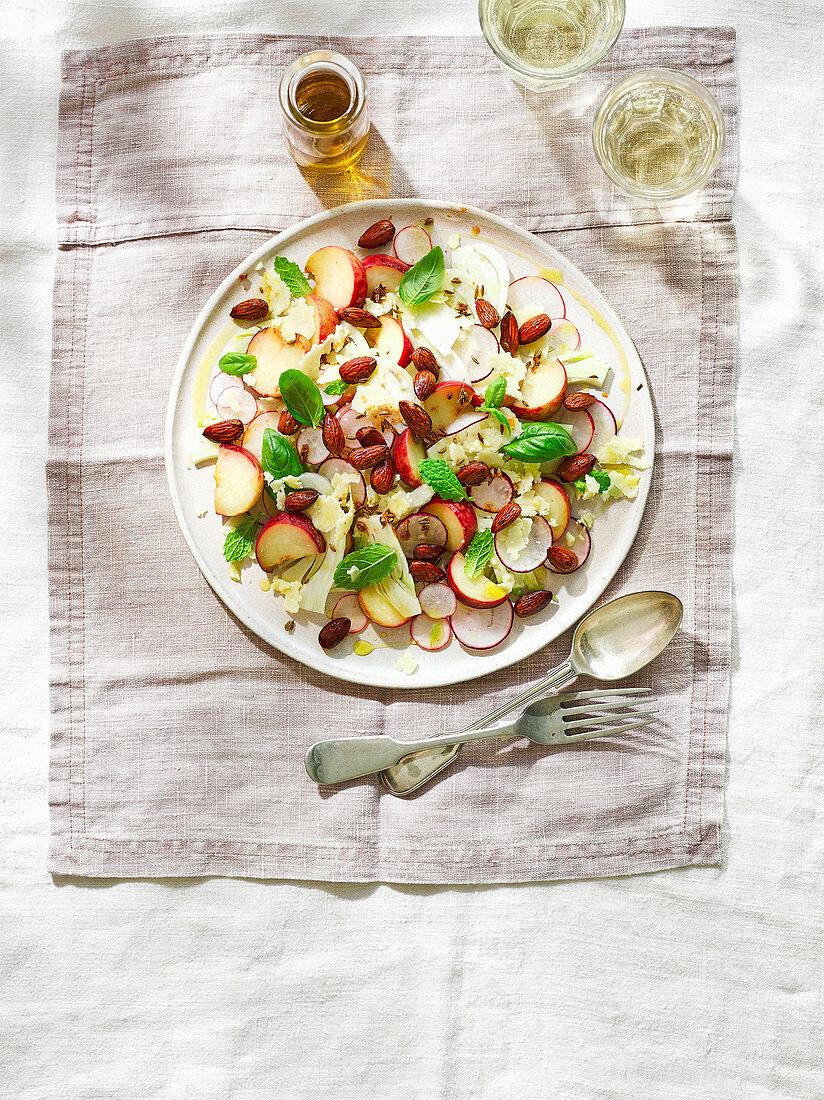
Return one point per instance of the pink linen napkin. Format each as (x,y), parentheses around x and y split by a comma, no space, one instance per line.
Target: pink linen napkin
(177,737)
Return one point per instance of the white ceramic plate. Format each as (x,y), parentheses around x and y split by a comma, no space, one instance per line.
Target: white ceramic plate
(192,487)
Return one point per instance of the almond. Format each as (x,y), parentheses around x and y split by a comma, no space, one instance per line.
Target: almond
(358,370)
(423,359)
(424,572)
(370,437)
(415,417)
(561,559)
(334,632)
(531,602)
(360,318)
(473,474)
(570,469)
(534,329)
(253,309)
(508,514)
(377,234)
(579,400)
(224,431)
(425,382)
(300,499)
(332,434)
(427,551)
(287,425)
(487,313)
(509,333)
(366,457)
(382,477)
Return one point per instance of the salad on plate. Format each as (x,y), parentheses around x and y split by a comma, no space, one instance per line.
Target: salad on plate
(411,441)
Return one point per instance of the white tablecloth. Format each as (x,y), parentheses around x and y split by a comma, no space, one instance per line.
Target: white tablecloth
(691,984)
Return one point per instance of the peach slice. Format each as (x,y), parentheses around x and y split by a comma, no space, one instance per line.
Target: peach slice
(287,537)
(447,402)
(274,356)
(238,481)
(558,499)
(408,454)
(339,276)
(252,440)
(542,391)
(472,591)
(385,271)
(391,340)
(326,320)
(458,518)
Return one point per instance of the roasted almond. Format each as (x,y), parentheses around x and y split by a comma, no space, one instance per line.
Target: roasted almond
(360,318)
(570,469)
(424,572)
(531,602)
(300,499)
(332,434)
(224,431)
(425,382)
(370,437)
(358,370)
(423,359)
(377,234)
(579,400)
(416,418)
(473,474)
(383,475)
(253,309)
(534,329)
(287,425)
(334,632)
(561,559)
(508,514)
(427,551)
(487,313)
(366,457)
(509,333)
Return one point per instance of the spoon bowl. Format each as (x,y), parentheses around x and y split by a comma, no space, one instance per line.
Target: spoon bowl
(622,636)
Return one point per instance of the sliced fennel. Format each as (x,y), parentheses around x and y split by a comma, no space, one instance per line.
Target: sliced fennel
(398,589)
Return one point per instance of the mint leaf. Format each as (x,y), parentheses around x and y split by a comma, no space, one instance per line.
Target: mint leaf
(301,397)
(479,553)
(495,394)
(237,363)
(540,443)
(336,388)
(601,476)
(240,541)
(424,278)
(292,275)
(366,566)
(278,457)
(438,476)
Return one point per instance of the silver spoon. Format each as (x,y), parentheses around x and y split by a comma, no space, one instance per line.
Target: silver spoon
(613,641)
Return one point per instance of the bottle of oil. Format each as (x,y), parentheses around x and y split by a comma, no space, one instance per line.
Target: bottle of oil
(324,113)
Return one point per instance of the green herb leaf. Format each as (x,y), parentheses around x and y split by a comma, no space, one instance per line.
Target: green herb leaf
(424,278)
(540,443)
(437,474)
(237,363)
(240,541)
(501,417)
(479,553)
(601,476)
(495,394)
(292,275)
(366,566)
(278,457)
(336,387)
(301,397)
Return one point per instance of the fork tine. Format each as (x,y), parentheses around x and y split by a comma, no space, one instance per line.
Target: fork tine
(606,731)
(589,708)
(610,719)
(573,695)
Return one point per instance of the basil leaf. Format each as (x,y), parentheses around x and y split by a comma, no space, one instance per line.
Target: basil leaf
(278,457)
(366,566)
(301,397)
(437,474)
(237,363)
(424,278)
(240,541)
(540,443)
(501,417)
(479,553)
(292,275)
(495,393)
(336,388)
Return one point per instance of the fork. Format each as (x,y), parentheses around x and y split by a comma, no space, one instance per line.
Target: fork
(558,721)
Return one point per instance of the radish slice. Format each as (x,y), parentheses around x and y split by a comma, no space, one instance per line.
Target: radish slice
(330,399)
(411,244)
(310,446)
(420,527)
(475,350)
(348,607)
(350,421)
(269,503)
(604,425)
(580,426)
(491,495)
(577,539)
(431,634)
(533,554)
(388,434)
(463,421)
(540,293)
(334,466)
(438,601)
(221,382)
(482,627)
(563,338)
(237,402)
